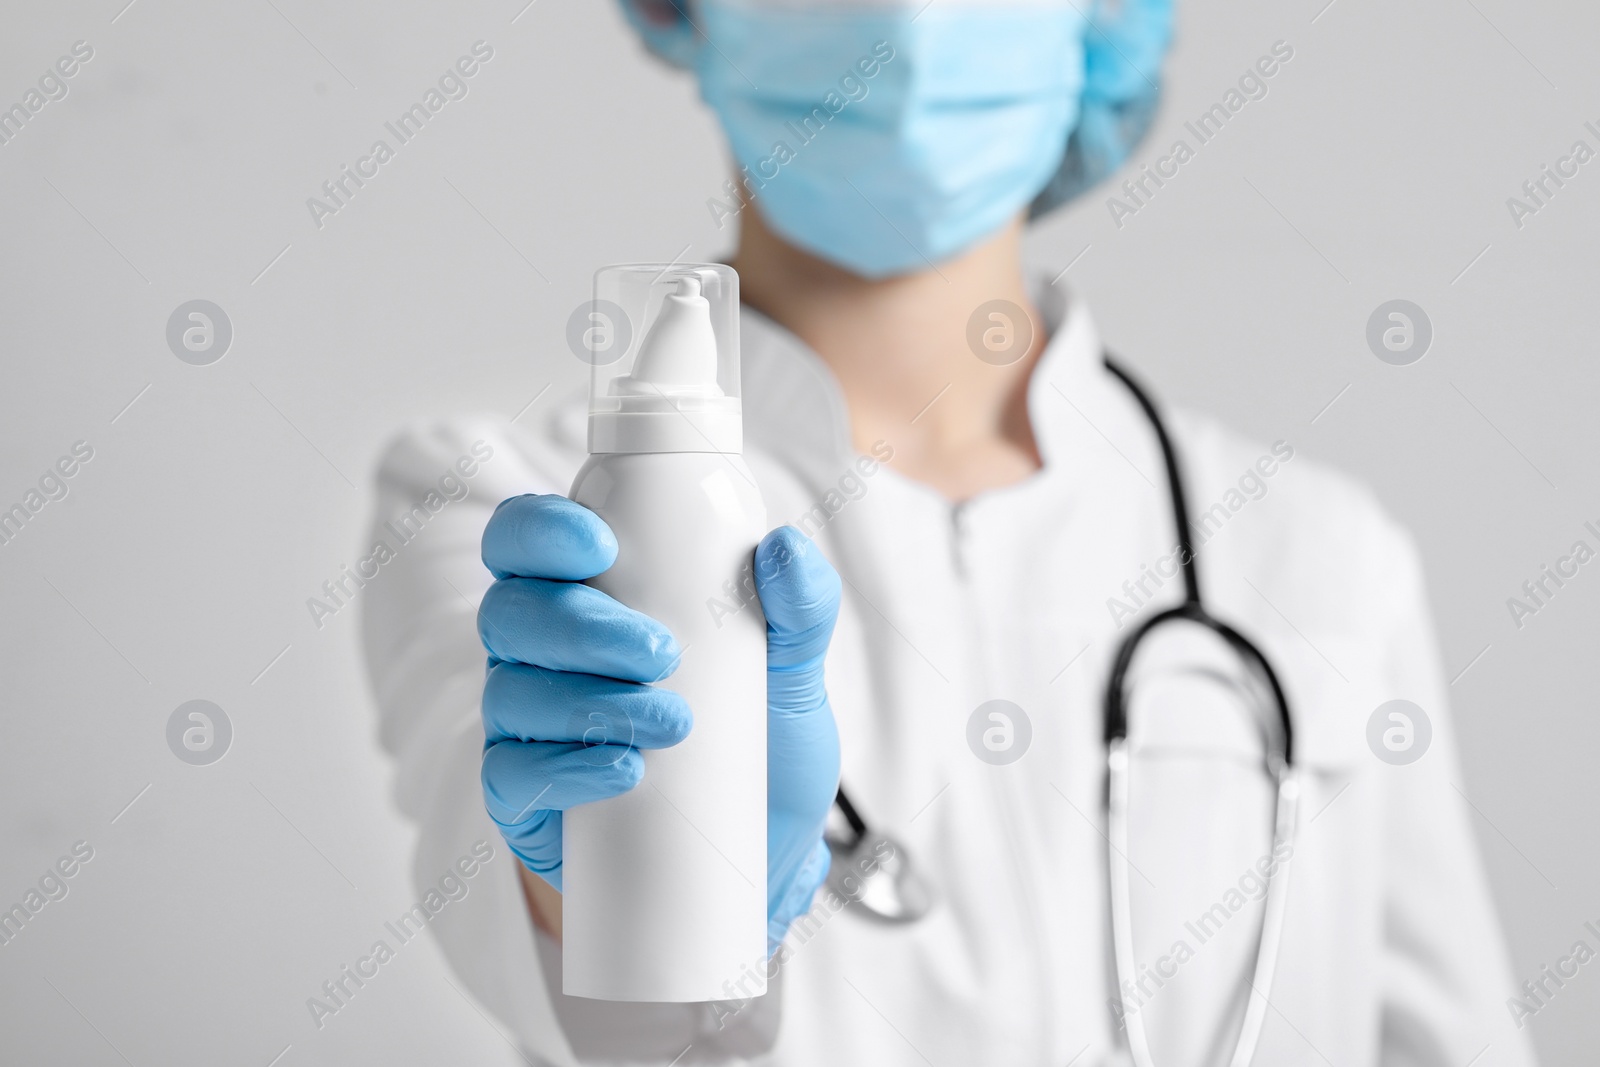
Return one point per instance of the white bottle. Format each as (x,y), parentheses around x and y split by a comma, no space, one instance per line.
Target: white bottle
(664,887)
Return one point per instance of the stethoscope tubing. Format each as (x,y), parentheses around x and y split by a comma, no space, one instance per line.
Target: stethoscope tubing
(1280,764)
(1285,825)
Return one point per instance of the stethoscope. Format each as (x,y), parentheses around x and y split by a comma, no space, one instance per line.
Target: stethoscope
(874,873)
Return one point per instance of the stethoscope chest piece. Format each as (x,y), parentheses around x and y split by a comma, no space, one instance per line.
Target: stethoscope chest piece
(876,876)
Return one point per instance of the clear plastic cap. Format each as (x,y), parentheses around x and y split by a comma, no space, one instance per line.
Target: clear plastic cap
(669,377)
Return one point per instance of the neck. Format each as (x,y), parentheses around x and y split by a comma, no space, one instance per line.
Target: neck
(899,349)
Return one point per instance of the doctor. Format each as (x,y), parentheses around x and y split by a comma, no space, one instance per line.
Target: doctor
(980,518)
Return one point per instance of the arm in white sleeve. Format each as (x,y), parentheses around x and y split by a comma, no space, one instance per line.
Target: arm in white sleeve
(1445,973)
(436,491)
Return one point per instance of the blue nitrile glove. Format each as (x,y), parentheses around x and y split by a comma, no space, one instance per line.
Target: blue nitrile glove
(567,662)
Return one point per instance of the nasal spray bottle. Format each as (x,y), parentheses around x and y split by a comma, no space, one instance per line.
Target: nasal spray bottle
(664,887)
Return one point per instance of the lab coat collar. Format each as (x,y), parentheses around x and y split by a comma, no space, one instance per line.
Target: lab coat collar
(794,407)
(1071,369)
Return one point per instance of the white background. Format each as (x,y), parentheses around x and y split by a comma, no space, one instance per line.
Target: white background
(178,167)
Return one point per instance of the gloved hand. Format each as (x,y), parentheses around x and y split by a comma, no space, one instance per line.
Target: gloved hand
(566,661)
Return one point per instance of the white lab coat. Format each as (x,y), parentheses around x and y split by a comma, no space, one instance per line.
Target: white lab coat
(1391,951)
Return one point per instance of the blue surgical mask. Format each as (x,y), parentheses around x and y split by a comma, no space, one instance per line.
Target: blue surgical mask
(886,141)
(887,137)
